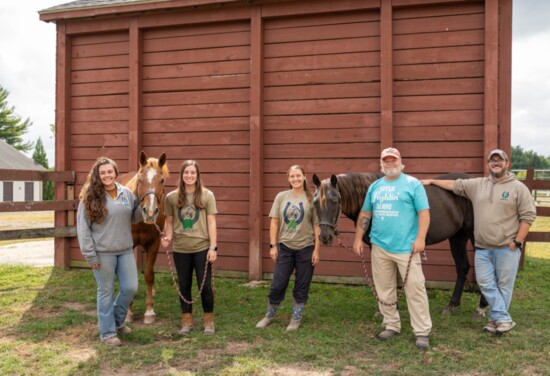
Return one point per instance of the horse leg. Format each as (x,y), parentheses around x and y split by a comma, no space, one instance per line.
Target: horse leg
(130,314)
(150,315)
(462,265)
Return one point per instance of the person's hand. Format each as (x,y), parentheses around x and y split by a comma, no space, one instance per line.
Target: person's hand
(165,241)
(426,181)
(418,246)
(273,253)
(95,266)
(212,256)
(315,257)
(358,247)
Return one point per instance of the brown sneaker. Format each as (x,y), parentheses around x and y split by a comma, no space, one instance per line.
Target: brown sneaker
(386,334)
(504,327)
(491,327)
(124,330)
(112,341)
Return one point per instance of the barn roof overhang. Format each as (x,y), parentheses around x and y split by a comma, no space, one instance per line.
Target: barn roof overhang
(87,9)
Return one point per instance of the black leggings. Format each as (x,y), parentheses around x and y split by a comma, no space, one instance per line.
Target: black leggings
(185,263)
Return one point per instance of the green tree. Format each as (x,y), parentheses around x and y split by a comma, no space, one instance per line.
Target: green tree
(40,157)
(523,159)
(12,127)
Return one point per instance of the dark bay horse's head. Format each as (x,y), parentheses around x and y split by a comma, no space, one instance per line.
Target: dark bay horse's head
(328,204)
(149,187)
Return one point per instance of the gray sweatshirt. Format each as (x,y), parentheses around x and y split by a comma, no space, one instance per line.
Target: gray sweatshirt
(499,207)
(114,235)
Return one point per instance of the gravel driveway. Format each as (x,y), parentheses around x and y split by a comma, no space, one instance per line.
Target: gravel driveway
(37,253)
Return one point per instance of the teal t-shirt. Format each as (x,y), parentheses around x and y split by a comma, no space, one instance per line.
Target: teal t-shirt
(394,206)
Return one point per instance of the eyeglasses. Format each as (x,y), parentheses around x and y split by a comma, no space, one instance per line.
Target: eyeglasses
(496,161)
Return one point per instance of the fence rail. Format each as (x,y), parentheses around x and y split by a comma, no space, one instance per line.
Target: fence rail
(69,204)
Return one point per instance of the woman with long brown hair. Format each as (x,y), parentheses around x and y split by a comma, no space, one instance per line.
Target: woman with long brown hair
(104,228)
(191,222)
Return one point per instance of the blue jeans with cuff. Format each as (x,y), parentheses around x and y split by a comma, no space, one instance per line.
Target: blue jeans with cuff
(111,312)
(496,271)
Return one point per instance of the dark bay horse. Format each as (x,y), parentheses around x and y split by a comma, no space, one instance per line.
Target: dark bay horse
(452,218)
(148,186)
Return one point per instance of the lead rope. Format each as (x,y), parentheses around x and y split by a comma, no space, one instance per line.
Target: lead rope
(174,280)
(369,280)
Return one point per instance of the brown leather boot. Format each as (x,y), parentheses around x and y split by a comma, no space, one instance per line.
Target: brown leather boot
(186,323)
(209,327)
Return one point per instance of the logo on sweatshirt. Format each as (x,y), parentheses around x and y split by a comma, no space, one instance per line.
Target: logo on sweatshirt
(505,195)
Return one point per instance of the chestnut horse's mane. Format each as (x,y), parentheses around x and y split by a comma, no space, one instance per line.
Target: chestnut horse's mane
(130,179)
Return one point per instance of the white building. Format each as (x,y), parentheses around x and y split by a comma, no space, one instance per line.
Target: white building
(13,159)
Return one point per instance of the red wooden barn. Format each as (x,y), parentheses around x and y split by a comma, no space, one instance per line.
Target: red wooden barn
(249,88)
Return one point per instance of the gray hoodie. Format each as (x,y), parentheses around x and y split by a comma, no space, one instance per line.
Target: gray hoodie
(114,235)
(499,207)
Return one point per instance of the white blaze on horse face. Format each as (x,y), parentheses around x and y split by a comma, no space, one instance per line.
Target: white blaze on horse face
(150,200)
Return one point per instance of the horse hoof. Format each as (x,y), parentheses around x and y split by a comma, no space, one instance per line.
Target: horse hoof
(478,316)
(149,319)
(448,311)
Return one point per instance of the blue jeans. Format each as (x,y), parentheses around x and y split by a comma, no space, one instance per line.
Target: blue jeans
(496,271)
(111,313)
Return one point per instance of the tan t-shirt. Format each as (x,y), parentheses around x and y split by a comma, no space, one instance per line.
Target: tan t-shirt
(296,219)
(190,224)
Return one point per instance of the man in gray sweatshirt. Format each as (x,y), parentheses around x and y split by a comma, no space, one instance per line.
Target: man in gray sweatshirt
(503,212)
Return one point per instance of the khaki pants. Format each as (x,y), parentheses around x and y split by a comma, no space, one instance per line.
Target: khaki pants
(384,268)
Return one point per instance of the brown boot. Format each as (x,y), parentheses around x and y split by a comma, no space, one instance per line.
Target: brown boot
(186,323)
(209,327)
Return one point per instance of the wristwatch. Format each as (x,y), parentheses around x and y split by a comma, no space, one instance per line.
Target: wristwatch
(213,248)
(518,244)
(271,245)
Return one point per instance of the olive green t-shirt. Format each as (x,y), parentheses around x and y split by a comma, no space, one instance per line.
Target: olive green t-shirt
(296,219)
(190,225)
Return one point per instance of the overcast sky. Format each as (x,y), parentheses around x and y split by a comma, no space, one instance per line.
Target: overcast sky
(27,70)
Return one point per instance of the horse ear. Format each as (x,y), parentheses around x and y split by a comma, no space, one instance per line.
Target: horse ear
(333,180)
(316,180)
(162,160)
(142,158)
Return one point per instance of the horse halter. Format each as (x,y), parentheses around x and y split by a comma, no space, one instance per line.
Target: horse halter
(150,192)
(334,223)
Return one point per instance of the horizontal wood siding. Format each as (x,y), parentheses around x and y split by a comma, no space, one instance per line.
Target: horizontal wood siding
(99,102)
(321,107)
(196,94)
(438,87)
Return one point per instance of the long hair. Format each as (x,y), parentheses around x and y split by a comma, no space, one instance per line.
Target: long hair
(92,194)
(308,192)
(197,197)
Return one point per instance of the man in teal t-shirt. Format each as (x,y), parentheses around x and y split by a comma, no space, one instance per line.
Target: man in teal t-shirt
(398,207)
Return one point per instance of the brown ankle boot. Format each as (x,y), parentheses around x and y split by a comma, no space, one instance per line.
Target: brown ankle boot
(209,327)
(186,323)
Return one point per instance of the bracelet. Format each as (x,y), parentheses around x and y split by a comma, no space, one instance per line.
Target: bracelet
(213,248)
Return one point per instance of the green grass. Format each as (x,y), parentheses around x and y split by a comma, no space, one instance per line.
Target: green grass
(48,326)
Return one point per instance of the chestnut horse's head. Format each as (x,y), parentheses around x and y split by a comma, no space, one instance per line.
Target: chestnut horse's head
(149,187)
(328,204)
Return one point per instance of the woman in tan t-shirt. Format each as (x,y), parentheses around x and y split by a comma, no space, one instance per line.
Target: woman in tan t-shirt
(191,222)
(294,246)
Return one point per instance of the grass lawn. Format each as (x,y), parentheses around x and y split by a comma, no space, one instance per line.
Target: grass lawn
(48,326)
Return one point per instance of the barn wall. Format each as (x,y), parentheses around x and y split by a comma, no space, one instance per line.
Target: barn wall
(249,91)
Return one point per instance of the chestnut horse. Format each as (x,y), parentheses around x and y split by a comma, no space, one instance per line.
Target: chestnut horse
(452,218)
(148,186)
